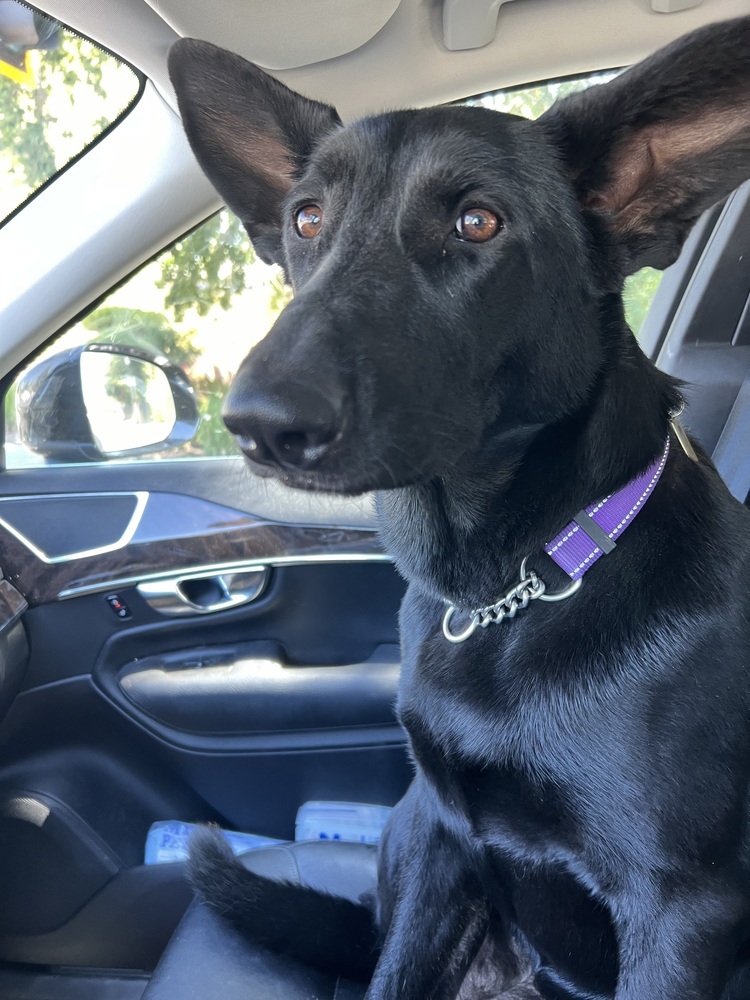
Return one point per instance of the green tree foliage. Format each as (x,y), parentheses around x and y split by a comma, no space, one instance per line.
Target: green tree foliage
(204,269)
(23,133)
(151,331)
(207,267)
(27,122)
(212,437)
(531,102)
(638,294)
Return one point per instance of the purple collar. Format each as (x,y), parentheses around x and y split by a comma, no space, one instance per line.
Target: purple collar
(592,532)
(589,536)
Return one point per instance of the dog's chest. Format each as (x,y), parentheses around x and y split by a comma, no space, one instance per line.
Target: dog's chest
(518,783)
(482,702)
(532,774)
(521,754)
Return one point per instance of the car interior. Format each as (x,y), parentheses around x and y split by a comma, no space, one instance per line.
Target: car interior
(178,640)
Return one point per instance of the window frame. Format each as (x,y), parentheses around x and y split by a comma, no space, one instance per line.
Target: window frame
(142,82)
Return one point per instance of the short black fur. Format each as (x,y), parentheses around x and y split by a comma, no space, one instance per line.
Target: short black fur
(578,822)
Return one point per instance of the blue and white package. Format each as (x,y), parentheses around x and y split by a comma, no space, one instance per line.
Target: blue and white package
(168,841)
(357,822)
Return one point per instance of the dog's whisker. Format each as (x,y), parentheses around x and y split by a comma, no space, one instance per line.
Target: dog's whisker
(441,416)
(388,471)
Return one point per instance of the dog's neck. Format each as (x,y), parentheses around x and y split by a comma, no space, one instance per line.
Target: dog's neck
(462,537)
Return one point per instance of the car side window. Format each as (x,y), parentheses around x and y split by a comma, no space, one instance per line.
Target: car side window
(144,374)
(58,94)
(194,310)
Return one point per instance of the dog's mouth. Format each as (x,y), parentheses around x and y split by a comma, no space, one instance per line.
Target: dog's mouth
(344,442)
(314,482)
(352,482)
(346,470)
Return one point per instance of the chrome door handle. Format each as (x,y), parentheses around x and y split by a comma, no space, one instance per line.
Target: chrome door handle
(205,593)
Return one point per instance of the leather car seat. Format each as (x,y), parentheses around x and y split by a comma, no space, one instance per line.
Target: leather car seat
(207,958)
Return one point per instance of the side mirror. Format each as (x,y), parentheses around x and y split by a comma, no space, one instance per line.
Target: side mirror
(102,401)
(21,30)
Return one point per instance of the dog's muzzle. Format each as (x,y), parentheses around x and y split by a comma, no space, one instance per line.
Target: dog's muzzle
(289,425)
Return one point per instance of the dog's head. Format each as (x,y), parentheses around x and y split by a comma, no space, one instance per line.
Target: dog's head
(456,271)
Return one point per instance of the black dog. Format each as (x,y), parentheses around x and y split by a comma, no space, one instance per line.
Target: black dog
(578,823)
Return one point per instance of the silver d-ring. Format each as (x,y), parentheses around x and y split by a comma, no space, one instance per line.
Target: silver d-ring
(560,595)
(457,636)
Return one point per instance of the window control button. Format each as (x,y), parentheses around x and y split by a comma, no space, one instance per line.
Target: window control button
(119,606)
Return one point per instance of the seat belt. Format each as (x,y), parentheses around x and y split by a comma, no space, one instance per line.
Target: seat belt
(732,452)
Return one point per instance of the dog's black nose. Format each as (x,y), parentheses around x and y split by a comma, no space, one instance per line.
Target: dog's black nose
(292,426)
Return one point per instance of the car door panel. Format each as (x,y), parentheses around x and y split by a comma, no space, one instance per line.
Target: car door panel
(14,648)
(312,665)
(224,481)
(248,689)
(236,716)
(65,545)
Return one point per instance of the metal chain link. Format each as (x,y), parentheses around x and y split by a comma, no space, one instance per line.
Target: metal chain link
(529,588)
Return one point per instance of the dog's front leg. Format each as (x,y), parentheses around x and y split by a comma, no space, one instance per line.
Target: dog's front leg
(432,908)
(438,923)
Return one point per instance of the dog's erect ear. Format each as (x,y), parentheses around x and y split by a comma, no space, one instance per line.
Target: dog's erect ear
(657,145)
(250,133)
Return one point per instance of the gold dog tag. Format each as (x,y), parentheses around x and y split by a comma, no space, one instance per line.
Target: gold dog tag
(681,434)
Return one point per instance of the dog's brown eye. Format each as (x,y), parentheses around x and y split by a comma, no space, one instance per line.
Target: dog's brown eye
(309,221)
(477,225)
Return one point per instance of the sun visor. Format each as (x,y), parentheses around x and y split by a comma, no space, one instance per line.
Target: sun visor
(280,34)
